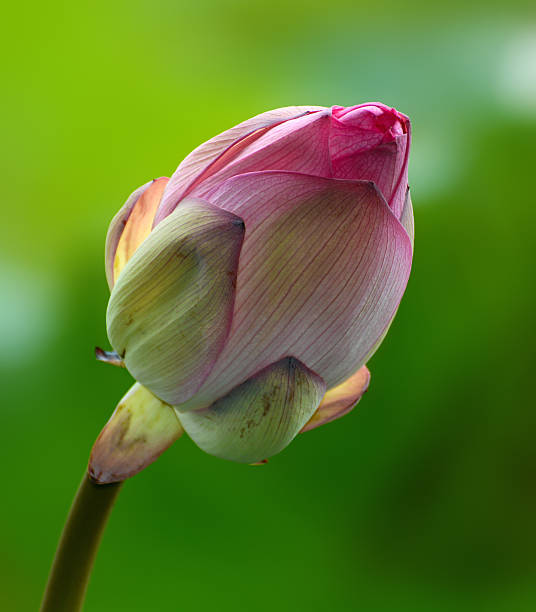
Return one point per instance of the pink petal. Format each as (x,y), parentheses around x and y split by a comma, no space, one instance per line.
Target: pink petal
(371,142)
(340,400)
(322,270)
(241,149)
(131,225)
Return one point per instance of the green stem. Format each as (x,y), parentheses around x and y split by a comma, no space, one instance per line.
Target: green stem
(78,546)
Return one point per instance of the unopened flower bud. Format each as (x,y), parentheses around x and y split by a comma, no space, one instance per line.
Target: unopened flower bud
(250,288)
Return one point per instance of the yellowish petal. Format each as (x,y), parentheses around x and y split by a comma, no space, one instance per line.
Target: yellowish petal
(139,224)
(339,400)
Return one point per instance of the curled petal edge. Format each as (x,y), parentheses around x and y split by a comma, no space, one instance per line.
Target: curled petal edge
(407,220)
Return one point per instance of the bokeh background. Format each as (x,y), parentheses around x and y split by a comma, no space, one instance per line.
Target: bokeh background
(424,498)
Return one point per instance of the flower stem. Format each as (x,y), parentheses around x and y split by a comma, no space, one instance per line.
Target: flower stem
(78,546)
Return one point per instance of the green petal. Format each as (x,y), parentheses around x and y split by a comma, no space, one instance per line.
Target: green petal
(170,310)
(260,417)
(139,431)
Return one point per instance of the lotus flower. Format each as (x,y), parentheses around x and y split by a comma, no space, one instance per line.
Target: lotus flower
(249,290)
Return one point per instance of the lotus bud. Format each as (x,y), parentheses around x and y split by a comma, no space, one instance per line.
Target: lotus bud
(250,288)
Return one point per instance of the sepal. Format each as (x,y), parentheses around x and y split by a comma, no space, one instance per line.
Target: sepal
(141,428)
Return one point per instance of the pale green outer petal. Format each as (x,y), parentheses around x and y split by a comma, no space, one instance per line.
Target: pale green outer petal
(138,432)
(170,310)
(260,417)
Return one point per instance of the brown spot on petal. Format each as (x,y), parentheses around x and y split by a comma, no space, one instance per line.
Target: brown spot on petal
(266,403)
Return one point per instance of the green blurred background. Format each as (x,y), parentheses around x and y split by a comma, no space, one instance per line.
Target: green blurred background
(424,498)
